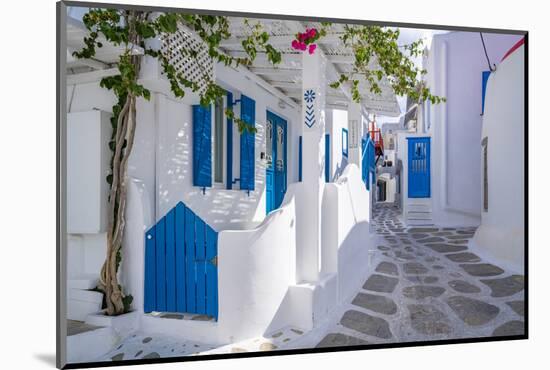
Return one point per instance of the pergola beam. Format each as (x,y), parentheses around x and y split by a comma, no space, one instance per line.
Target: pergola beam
(280,40)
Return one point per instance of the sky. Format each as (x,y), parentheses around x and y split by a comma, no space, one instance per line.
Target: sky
(406,36)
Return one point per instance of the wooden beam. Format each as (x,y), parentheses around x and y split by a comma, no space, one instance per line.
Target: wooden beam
(95,76)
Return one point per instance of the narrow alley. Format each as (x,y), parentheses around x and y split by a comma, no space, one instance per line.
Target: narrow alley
(428,285)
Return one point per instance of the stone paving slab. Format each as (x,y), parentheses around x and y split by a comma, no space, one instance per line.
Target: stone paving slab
(340,340)
(462,286)
(376,303)
(366,324)
(509,328)
(387,268)
(472,311)
(446,248)
(419,279)
(427,319)
(414,268)
(419,292)
(463,257)
(380,283)
(518,307)
(482,269)
(505,287)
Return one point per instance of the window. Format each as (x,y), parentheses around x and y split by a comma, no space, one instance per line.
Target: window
(269,143)
(280,155)
(218,140)
(485,176)
(345,142)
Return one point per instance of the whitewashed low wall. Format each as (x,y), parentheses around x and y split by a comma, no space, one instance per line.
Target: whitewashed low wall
(346,235)
(139,217)
(256,268)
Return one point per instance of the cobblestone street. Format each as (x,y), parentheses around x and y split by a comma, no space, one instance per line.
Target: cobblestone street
(427,285)
(424,285)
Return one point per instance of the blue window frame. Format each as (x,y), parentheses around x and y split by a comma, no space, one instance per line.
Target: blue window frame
(345,142)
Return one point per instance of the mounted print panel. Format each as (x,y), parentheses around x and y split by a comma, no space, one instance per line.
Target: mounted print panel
(242,183)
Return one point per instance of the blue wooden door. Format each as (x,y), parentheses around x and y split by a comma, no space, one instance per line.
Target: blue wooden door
(276,176)
(419,167)
(181,273)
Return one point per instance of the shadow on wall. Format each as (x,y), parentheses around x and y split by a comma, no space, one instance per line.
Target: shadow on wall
(340,169)
(354,259)
(221,208)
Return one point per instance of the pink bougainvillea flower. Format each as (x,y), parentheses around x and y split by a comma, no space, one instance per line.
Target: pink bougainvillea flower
(312,32)
(303,46)
(312,48)
(302,36)
(295,44)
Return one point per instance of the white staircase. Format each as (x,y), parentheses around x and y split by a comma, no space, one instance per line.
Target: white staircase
(419,214)
(81,301)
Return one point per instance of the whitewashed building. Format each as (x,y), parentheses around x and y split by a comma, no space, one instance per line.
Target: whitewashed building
(502,230)
(280,212)
(445,142)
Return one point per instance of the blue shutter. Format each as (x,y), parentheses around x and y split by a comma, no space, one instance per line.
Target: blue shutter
(484,78)
(248,115)
(202,146)
(300,158)
(327,158)
(229,166)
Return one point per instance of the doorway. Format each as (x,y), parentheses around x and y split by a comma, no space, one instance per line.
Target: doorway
(276,161)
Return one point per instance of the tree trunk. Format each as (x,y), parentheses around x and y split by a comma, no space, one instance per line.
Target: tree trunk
(124,141)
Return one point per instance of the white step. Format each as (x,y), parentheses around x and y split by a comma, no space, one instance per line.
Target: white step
(81,303)
(89,346)
(84,281)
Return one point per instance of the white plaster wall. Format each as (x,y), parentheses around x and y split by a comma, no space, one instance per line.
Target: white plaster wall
(221,208)
(162,154)
(255,269)
(455,64)
(138,220)
(88,158)
(501,233)
(403,155)
(338,161)
(345,227)
(86,252)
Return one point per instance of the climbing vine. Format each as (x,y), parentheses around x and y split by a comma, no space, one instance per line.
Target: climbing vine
(370,43)
(131,28)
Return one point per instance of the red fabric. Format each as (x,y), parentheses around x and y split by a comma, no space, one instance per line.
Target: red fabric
(514,48)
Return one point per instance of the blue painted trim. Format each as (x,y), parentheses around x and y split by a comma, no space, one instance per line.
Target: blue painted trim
(150,296)
(419,172)
(180,257)
(484,79)
(327,157)
(300,158)
(161,266)
(248,143)
(170,261)
(229,165)
(200,268)
(345,143)
(368,168)
(202,146)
